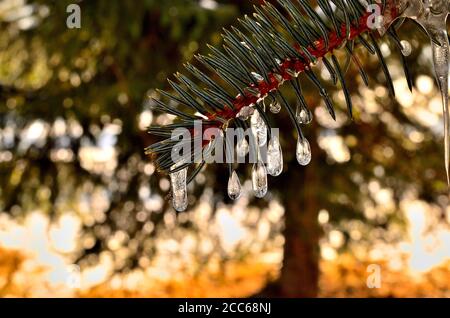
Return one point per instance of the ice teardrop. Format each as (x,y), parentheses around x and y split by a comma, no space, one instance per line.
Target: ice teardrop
(234,186)
(179,191)
(242,147)
(304,115)
(441,61)
(275,107)
(303,151)
(259,179)
(259,128)
(406,48)
(274,157)
(245,112)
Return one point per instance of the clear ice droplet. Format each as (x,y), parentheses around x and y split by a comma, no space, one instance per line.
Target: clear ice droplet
(242,147)
(303,151)
(274,157)
(406,48)
(304,115)
(179,191)
(259,128)
(234,186)
(441,59)
(245,112)
(275,107)
(259,179)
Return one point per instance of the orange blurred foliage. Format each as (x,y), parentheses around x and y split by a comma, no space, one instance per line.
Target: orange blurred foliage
(344,277)
(11,262)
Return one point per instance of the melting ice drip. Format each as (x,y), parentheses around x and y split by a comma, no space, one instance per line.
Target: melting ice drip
(273,165)
(179,188)
(431,15)
(274,162)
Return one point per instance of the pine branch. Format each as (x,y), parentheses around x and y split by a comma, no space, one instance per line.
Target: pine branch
(279,44)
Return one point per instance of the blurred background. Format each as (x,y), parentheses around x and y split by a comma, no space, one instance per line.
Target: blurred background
(83,212)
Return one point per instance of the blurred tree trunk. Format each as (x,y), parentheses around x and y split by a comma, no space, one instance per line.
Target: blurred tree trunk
(299,275)
(300,270)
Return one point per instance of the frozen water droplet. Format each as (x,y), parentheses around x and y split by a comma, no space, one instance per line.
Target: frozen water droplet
(245,112)
(234,186)
(275,107)
(259,179)
(257,77)
(406,48)
(259,128)
(303,151)
(179,191)
(274,157)
(242,147)
(441,60)
(303,115)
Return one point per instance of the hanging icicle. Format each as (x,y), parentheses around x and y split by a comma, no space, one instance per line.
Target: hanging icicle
(275,107)
(303,151)
(274,157)
(234,186)
(242,147)
(245,112)
(259,128)
(179,189)
(406,48)
(303,115)
(259,179)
